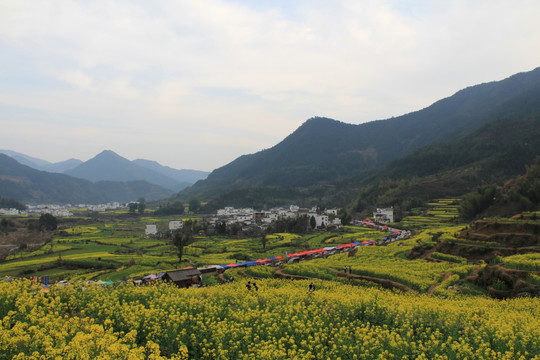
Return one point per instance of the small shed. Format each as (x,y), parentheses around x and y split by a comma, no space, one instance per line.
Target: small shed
(183,277)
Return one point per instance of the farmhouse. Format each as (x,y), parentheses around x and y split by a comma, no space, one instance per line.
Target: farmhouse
(151,229)
(320,220)
(383,216)
(175,225)
(183,277)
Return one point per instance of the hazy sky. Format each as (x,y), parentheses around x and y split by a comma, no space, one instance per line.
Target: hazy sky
(195,84)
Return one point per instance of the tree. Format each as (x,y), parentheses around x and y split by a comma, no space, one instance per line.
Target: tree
(344,216)
(181,240)
(221,228)
(313,222)
(48,222)
(133,207)
(176,208)
(264,240)
(473,204)
(141,207)
(194,205)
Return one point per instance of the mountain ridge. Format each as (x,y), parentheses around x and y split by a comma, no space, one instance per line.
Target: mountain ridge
(100,170)
(26,184)
(323,151)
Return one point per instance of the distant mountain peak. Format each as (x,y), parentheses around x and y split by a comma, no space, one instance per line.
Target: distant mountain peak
(108,153)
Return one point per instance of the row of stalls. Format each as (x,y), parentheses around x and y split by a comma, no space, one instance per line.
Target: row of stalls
(192,277)
(326,251)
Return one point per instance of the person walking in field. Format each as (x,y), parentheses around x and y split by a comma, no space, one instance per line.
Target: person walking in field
(255,286)
(248,285)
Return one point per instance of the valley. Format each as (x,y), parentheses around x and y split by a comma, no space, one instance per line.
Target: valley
(413,298)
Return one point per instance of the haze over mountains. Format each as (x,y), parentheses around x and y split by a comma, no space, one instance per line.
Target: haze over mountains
(487,132)
(104,178)
(110,166)
(33,186)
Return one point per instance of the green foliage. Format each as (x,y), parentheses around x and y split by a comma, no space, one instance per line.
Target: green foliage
(297,225)
(448,257)
(527,262)
(174,208)
(48,222)
(6,203)
(141,205)
(474,204)
(133,206)
(526,189)
(194,206)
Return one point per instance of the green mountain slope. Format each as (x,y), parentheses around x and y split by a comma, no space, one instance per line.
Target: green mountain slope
(324,151)
(495,153)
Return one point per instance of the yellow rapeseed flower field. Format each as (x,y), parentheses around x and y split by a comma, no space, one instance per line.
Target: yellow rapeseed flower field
(280,321)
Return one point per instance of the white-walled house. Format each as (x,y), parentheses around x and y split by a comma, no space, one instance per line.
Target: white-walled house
(320,220)
(151,229)
(175,225)
(383,216)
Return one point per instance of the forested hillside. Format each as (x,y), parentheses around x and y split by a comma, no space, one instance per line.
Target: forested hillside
(324,151)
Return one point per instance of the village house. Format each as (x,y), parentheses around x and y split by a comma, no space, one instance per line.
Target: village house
(175,225)
(151,230)
(384,215)
(320,219)
(248,217)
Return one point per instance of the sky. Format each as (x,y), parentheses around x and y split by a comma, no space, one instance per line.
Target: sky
(195,84)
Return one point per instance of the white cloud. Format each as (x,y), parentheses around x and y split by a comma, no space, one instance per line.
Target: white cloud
(238,76)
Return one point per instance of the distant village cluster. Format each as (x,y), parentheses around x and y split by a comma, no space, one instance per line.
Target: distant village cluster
(249,219)
(248,216)
(61,210)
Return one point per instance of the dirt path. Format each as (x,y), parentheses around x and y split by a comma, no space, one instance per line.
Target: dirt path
(385,283)
(432,288)
(280,275)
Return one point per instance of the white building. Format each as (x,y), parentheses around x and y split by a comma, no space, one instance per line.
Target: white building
(320,220)
(151,229)
(175,225)
(9,211)
(384,216)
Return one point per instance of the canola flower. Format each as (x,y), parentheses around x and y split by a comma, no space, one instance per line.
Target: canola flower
(280,321)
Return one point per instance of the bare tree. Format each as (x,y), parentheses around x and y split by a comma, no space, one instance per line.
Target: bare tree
(181,240)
